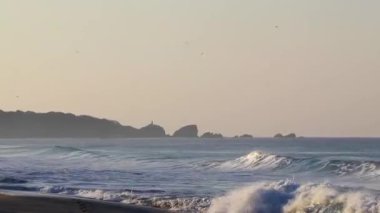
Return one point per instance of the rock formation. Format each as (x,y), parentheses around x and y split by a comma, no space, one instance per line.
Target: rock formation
(291,135)
(212,135)
(190,131)
(152,131)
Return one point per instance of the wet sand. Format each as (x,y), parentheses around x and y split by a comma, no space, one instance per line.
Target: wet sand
(15,202)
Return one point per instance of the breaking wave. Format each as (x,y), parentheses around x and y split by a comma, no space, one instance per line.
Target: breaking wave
(258,160)
(255,160)
(290,197)
(276,197)
(152,198)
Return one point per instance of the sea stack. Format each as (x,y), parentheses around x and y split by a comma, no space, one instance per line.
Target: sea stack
(189,131)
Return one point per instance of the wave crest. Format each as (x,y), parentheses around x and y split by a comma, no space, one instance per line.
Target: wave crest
(289,197)
(343,168)
(258,160)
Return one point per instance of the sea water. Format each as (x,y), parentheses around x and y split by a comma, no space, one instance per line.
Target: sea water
(202,175)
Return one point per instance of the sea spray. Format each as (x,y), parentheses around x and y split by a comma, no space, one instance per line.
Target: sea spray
(289,197)
(329,198)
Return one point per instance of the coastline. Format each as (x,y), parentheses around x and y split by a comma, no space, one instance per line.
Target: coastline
(20,202)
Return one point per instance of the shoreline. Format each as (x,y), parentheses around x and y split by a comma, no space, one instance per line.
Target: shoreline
(29,202)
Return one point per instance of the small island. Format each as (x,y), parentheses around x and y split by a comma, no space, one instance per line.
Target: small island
(288,136)
(244,136)
(212,135)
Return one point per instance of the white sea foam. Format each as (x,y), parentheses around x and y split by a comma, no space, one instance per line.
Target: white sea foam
(288,197)
(275,197)
(327,198)
(192,204)
(254,161)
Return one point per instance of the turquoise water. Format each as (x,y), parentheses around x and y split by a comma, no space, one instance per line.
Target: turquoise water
(200,175)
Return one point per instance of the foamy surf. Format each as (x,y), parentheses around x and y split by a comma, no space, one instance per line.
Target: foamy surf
(276,197)
(151,198)
(290,197)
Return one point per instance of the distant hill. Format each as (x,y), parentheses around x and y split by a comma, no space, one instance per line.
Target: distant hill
(21,124)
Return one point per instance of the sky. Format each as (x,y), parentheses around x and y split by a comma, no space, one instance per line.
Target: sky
(230,66)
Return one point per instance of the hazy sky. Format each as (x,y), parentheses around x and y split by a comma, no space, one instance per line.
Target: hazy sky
(260,67)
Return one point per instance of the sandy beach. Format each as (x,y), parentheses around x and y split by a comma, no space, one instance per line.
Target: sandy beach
(15,202)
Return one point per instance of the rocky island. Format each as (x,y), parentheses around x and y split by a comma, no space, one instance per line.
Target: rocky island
(288,136)
(190,131)
(212,135)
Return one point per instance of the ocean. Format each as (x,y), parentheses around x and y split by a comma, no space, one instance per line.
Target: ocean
(202,175)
